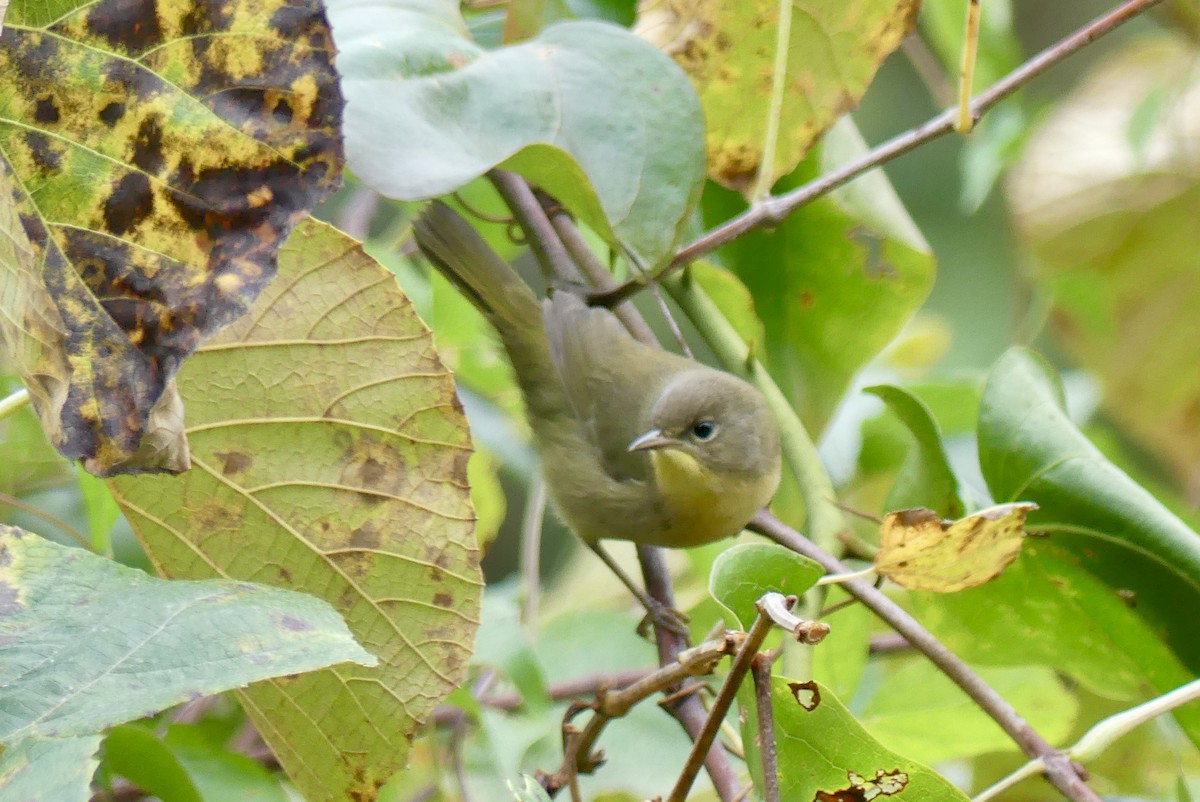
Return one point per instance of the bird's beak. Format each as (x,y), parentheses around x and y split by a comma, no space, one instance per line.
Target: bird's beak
(650,440)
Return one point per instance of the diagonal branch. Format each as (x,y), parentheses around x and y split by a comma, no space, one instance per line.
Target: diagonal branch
(774,210)
(1059,768)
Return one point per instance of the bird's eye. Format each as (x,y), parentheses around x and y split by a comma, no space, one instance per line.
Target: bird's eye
(704,430)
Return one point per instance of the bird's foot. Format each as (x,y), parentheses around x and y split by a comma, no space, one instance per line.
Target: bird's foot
(660,615)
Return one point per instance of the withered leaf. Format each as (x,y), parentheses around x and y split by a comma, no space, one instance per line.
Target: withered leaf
(921,551)
(160,153)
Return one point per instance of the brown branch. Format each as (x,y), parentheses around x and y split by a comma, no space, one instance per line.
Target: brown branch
(578,754)
(773,610)
(760,670)
(774,210)
(1059,768)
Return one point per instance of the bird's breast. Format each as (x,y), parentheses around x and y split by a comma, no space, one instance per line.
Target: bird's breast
(699,505)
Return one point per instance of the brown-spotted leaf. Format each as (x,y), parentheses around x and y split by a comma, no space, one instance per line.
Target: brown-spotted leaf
(330,456)
(160,153)
(834,48)
(921,551)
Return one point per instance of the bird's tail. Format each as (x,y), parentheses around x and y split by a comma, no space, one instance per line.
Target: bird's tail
(462,256)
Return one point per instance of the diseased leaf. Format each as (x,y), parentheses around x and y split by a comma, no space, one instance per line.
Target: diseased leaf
(588,111)
(89,643)
(730,49)
(330,456)
(160,154)
(920,551)
(825,754)
(35,769)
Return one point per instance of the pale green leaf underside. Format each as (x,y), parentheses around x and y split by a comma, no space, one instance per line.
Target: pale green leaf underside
(588,111)
(89,643)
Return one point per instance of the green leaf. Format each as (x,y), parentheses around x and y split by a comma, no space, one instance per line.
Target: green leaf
(185,765)
(1030,449)
(90,643)
(833,283)
(732,298)
(919,712)
(330,456)
(821,748)
(36,769)
(140,756)
(588,111)
(158,160)
(731,50)
(925,479)
(102,510)
(841,659)
(743,573)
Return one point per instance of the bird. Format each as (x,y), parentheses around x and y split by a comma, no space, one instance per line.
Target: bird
(636,443)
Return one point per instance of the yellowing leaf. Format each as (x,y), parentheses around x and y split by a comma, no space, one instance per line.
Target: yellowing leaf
(922,552)
(729,49)
(330,456)
(160,154)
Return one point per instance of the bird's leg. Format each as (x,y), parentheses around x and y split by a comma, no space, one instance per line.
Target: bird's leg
(656,611)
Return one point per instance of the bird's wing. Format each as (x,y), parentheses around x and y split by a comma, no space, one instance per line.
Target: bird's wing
(610,378)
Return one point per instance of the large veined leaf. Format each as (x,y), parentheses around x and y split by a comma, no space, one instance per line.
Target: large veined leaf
(89,643)
(158,154)
(832,49)
(330,456)
(588,111)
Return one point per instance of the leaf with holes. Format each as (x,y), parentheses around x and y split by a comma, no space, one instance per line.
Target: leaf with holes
(824,753)
(731,51)
(330,456)
(89,643)
(159,154)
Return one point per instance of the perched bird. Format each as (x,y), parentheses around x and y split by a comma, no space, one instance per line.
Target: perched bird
(636,443)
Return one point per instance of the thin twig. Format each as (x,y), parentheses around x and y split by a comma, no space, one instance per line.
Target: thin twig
(928,68)
(774,210)
(25,507)
(548,249)
(671,322)
(768,613)
(1059,768)
(760,670)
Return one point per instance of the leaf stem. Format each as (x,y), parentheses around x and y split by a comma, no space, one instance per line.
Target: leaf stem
(1059,769)
(13,402)
(766,165)
(773,210)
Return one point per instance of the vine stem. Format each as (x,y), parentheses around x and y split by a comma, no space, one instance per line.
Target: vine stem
(13,402)
(773,210)
(1060,770)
